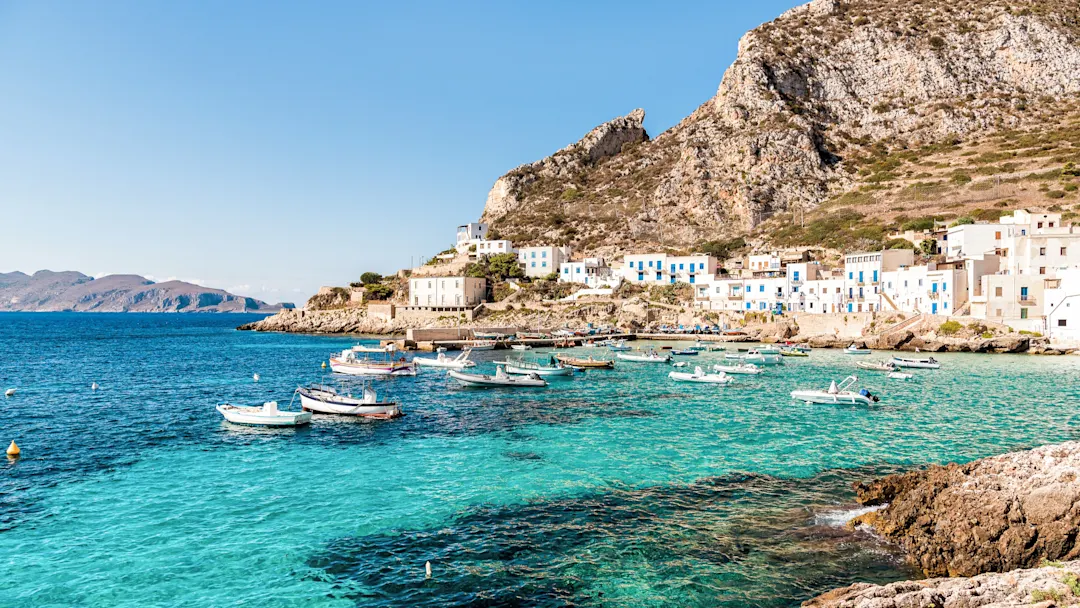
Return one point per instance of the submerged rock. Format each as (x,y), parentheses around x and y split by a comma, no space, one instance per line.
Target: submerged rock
(1053,585)
(991,515)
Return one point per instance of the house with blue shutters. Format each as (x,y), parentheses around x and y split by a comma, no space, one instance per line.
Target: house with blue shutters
(862,274)
(661,268)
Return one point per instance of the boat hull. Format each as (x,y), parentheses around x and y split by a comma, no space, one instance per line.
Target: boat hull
(345,406)
(704,379)
(915,363)
(844,398)
(733,369)
(353,369)
(445,364)
(857,351)
(543,371)
(643,358)
(478,380)
(253,416)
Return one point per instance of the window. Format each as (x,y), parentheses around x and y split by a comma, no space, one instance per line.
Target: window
(761,288)
(1063,249)
(997,236)
(1023,313)
(657,276)
(641,276)
(1023,293)
(850,275)
(543,264)
(875,276)
(944,286)
(532,254)
(681,266)
(997,294)
(1061,323)
(1042,250)
(860,276)
(796,275)
(650,263)
(701,266)
(566,271)
(1039,225)
(534,265)
(1042,269)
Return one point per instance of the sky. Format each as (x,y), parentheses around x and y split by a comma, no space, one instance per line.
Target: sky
(269,148)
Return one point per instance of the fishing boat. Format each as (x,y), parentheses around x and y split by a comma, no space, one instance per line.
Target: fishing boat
(349,364)
(748,369)
(760,358)
(585,362)
(500,378)
(843,394)
(698,346)
(525,368)
(768,350)
(360,348)
(929,363)
(650,356)
(699,375)
(791,352)
(618,346)
(686,352)
(442,360)
(901,375)
(855,350)
(803,348)
(267,414)
(322,399)
(479,344)
(715,348)
(520,347)
(880,366)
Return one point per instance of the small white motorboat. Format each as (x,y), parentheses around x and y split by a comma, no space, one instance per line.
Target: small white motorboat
(327,400)
(928,363)
(479,344)
(840,394)
(650,356)
(525,368)
(699,375)
(900,375)
(768,350)
(756,356)
(501,378)
(855,350)
(748,369)
(681,364)
(359,348)
(520,346)
(619,346)
(715,348)
(880,366)
(442,360)
(9,392)
(267,414)
(349,364)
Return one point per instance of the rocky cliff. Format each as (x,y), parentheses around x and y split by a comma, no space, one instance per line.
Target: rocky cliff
(47,291)
(810,97)
(992,515)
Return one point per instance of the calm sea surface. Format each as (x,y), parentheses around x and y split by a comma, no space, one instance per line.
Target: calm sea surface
(613,488)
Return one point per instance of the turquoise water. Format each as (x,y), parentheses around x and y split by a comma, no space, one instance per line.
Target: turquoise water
(613,488)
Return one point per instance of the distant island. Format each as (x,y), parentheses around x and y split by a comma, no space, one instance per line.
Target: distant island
(69,291)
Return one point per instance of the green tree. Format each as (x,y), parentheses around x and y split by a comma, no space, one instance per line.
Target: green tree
(370,278)
(928,247)
(504,266)
(378,291)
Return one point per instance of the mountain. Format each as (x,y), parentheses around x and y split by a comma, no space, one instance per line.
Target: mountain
(47,291)
(831,99)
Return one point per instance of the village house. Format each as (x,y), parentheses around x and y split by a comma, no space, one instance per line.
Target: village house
(661,268)
(543,260)
(447,292)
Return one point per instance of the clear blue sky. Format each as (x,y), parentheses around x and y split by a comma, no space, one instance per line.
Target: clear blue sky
(270,148)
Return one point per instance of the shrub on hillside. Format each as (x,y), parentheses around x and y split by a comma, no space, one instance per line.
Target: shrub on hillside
(949,328)
(370,278)
(899,244)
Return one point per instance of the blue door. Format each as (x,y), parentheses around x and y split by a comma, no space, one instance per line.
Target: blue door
(933,308)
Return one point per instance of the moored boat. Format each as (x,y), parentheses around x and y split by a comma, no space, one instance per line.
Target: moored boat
(748,369)
(584,362)
(525,368)
(768,350)
(267,414)
(618,346)
(348,363)
(928,363)
(699,375)
(442,360)
(851,349)
(792,352)
(520,347)
(838,394)
(500,378)
(880,366)
(686,352)
(901,375)
(650,356)
(327,400)
(479,344)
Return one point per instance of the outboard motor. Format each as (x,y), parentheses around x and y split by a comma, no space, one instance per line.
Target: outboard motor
(872,397)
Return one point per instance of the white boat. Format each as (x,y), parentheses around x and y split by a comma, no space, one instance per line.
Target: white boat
(479,344)
(699,375)
(748,369)
(348,363)
(840,394)
(266,415)
(929,363)
(618,346)
(327,400)
(501,378)
(442,360)
(768,350)
(760,358)
(9,392)
(525,368)
(520,346)
(650,356)
(900,375)
(359,348)
(681,364)
(713,348)
(880,366)
(855,350)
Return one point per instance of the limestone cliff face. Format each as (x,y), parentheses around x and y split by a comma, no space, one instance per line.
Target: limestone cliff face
(823,83)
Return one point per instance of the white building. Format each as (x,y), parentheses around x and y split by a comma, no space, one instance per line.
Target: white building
(741,294)
(823,295)
(470,234)
(863,272)
(447,292)
(485,248)
(972,240)
(592,272)
(660,268)
(764,263)
(1014,300)
(797,275)
(926,289)
(542,261)
(1062,307)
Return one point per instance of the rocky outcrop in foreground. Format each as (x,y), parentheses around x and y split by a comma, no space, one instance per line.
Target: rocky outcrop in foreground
(992,515)
(1056,585)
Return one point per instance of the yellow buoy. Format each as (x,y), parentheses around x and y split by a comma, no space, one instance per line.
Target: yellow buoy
(324,364)
(13,450)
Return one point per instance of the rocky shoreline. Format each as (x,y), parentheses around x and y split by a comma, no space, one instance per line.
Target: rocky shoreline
(999,515)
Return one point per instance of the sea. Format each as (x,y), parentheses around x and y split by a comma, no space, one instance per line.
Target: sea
(611,488)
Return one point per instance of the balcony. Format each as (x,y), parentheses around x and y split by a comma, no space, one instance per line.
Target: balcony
(735,296)
(1026,300)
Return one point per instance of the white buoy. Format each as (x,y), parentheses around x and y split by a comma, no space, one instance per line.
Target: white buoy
(9,392)
(94,386)
(427,568)
(256,377)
